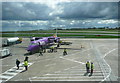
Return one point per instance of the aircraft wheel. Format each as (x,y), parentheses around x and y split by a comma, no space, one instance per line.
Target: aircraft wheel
(30,52)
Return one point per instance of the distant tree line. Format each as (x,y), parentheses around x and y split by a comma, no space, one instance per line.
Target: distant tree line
(115,28)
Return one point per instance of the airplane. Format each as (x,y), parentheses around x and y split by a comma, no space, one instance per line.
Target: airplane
(11,41)
(41,42)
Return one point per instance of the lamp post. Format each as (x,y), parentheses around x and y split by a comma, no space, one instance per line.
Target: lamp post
(57,20)
(56,31)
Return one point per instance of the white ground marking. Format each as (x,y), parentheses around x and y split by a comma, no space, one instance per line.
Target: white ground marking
(54,72)
(19,80)
(77,52)
(7,65)
(50,64)
(109,52)
(58,71)
(108,64)
(109,71)
(65,69)
(68,80)
(65,74)
(72,60)
(67,77)
(75,71)
(47,59)
(7,75)
(109,68)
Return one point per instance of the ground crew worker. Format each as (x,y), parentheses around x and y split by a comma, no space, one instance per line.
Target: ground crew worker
(88,67)
(51,49)
(65,52)
(44,49)
(55,49)
(17,63)
(41,48)
(26,65)
(92,67)
(26,58)
(58,45)
(81,46)
(40,52)
(60,42)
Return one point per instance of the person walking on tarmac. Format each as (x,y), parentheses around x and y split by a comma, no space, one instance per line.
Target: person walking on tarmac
(51,49)
(55,49)
(40,52)
(17,63)
(44,49)
(65,52)
(58,45)
(26,58)
(92,67)
(88,67)
(26,65)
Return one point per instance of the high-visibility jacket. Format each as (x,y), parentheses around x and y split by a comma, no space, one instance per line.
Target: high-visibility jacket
(88,64)
(25,63)
(92,66)
(51,47)
(60,41)
(65,50)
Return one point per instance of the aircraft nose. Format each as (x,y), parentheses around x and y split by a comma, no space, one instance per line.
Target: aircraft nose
(29,48)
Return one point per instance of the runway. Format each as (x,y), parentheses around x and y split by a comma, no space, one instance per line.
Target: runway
(56,67)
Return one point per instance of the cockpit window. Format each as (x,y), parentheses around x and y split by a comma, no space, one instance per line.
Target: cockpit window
(51,38)
(38,38)
(35,38)
(34,43)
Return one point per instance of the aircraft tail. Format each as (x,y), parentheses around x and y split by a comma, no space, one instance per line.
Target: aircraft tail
(54,35)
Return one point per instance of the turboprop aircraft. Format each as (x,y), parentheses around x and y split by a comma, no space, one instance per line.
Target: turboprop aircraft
(41,42)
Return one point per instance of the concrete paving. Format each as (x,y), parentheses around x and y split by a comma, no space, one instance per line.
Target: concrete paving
(56,67)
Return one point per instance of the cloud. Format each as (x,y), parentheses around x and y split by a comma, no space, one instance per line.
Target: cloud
(45,15)
(36,25)
(25,11)
(91,10)
(64,10)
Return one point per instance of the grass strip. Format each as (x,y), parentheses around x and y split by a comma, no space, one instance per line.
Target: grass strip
(59,35)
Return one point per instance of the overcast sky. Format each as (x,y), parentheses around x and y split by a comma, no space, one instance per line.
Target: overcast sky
(45,15)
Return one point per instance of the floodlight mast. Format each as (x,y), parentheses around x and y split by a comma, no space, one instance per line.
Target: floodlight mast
(57,19)
(56,31)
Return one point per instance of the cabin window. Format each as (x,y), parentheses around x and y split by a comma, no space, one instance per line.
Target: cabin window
(51,39)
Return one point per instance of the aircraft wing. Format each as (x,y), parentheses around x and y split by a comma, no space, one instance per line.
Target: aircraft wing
(66,43)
